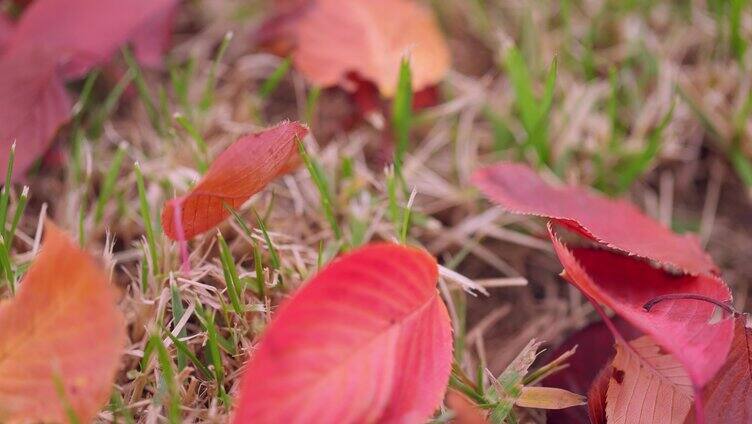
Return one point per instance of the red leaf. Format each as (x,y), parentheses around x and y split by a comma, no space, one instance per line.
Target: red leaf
(82,33)
(152,38)
(33,105)
(241,171)
(53,41)
(62,325)
(332,39)
(614,223)
(353,343)
(728,396)
(6,30)
(682,327)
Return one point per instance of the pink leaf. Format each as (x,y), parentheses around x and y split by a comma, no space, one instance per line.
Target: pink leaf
(682,327)
(57,40)
(6,30)
(614,223)
(368,339)
(82,33)
(33,105)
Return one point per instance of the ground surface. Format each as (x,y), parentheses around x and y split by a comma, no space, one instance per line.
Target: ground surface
(622,67)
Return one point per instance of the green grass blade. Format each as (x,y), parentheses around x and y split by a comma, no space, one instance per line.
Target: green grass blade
(146,217)
(207,100)
(273,81)
(108,186)
(402,108)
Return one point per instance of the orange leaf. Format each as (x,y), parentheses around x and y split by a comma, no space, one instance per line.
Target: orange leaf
(241,171)
(650,388)
(368,339)
(63,325)
(465,411)
(335,39)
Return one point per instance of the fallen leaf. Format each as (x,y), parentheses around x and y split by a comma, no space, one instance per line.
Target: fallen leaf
(595,350)
(646,386)
(80,34)
(728,396)
(332,40)
(152,39)
(62,325)
(33,105)
(625,284)
(465,411)
(352,343)
(614,223)
(6,29)
(597,397)
(548,398)
(239,172)
(54,41)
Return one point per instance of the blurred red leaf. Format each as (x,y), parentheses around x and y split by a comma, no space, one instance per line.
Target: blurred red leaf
(62,325)
(332,39)
(82,33)
(33,105)
(684,328)
(238,173)
(6,29)
(352,344)
(465,411)
(615,223)
(728,396)
(53,41)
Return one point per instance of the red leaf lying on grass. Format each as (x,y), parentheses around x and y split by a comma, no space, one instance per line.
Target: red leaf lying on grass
(332,40)
(54,41)
(351,345)
(62,327)
(614,223)
(241,171)
(681,327)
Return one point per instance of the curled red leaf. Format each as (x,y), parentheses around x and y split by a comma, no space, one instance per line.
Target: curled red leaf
(684,328)
(238,173)
(351,345)
(615,223)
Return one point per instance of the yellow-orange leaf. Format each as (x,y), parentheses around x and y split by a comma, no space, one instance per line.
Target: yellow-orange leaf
(239,172)
(334,40)
(62,327)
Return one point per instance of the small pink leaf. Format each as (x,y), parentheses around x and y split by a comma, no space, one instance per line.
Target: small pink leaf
(682,327)
(614,223)
(238,173)
(368,339)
